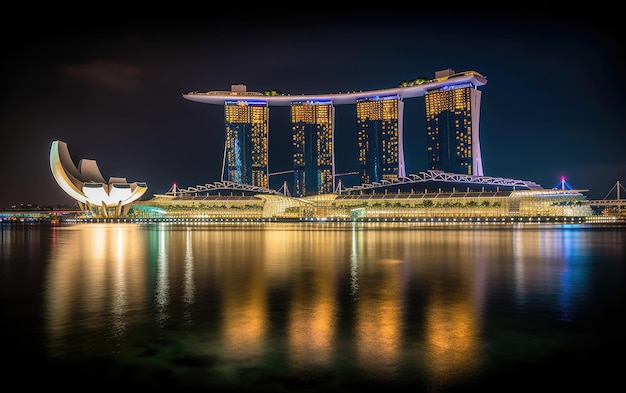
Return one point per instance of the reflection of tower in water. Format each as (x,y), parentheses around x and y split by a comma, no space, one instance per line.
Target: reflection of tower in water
(380,316)
(313,307)
(452,318)
(243,288)
(447,338)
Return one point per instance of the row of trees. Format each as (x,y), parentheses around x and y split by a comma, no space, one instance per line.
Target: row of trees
(430,204)
(204,206)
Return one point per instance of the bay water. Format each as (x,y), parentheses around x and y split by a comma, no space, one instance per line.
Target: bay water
(333,307)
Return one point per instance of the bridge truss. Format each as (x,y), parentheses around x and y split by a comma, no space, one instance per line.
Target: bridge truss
(444,177)
(218,186)
(421,177)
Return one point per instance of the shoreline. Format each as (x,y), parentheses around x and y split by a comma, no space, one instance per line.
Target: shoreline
(424,221)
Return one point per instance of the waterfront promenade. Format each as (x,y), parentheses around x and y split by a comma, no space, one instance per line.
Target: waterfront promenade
(75,218)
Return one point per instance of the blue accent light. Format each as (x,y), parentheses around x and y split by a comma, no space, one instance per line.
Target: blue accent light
(247,102)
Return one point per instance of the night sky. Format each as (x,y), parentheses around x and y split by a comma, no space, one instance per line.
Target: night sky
(111,87)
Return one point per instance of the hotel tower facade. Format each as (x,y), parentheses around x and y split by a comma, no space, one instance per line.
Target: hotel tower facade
(312,126)
(452,119)
(452,116)
(379,138)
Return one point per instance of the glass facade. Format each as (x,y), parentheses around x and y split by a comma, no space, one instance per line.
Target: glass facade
(452,119)
(379,138)
(312,125)
(246,145)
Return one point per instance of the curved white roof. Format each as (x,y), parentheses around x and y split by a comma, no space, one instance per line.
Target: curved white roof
(86,184)
(221,97)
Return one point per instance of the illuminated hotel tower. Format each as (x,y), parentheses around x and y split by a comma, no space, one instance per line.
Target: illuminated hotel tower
(452,119)
(379,138)
(312,125)
(246,146)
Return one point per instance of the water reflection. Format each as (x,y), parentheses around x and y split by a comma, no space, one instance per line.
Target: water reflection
(241,258)
(550,264)
(163,282)
(312,306)
(387,302)
(95,283)
(188,283)
(379,315)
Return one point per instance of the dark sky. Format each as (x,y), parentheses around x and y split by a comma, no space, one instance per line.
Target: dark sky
(110,86)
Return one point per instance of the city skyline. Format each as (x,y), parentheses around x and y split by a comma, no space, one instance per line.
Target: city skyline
(111,88)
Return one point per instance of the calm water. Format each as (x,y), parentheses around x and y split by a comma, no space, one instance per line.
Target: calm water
(312,307)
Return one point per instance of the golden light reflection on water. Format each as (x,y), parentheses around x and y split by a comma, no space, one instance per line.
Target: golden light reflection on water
(452,340)
(244,296)
(379,336)
(298,289)
(312,311)
(163,282)
(95,271)
(188,282)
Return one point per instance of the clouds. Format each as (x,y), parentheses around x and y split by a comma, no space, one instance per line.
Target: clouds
(109,75)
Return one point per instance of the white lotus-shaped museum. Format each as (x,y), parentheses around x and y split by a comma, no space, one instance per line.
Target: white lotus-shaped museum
(86,185)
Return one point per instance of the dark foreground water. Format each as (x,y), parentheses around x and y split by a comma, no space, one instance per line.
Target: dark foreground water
(277,307)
